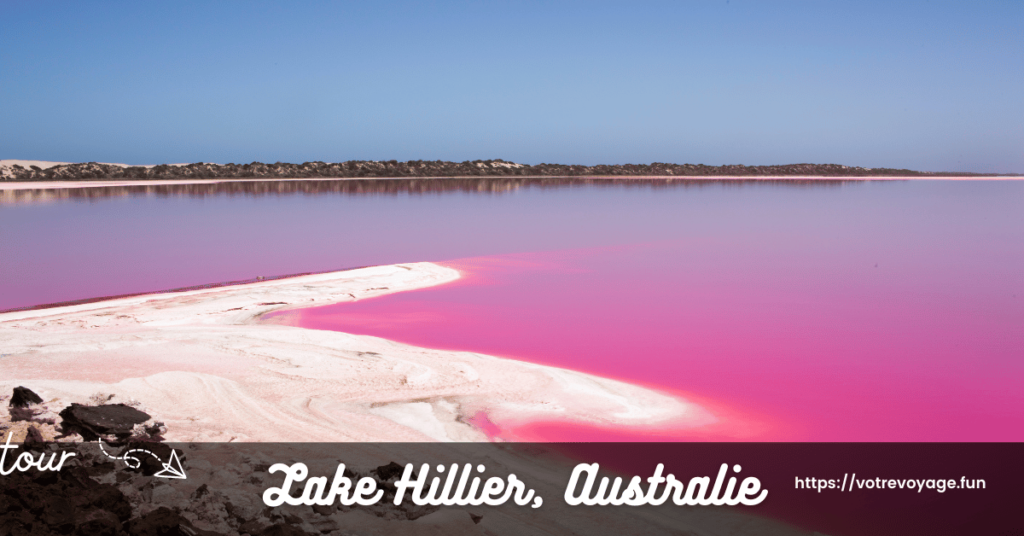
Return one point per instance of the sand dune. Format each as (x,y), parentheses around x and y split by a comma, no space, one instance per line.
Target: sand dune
(204,363)
(46,164)
(7,165)
(41,164)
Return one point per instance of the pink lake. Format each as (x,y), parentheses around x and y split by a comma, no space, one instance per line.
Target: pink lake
(795,312)
(785,337)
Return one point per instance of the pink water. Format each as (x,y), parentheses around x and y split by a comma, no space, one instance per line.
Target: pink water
(781,343)
(823,311)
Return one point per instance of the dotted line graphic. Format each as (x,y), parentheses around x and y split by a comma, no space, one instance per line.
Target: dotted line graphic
(172,468)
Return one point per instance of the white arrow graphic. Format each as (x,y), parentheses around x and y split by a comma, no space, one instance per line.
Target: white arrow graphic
(172,468)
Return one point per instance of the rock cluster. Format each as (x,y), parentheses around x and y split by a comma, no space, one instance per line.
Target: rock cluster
(68,502)
(98,493)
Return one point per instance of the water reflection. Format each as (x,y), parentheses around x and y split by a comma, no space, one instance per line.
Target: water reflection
(381,187)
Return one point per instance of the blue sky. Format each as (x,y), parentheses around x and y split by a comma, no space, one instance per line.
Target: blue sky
(922,85)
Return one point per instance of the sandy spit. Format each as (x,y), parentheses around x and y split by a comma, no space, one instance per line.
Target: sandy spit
(205,364)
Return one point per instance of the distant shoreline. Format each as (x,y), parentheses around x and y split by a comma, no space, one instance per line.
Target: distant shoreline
(57,184)
(32,171)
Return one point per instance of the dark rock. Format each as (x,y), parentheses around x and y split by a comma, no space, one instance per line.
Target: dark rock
(97,523)
(23,397)
(389,471)
(164,522)
(414,512)
(253,526)
(33,438)
(78,477)
(64,502)
(46,478)
(93,421)
(155,431)
(110,499)
(283,530)
(234,511)
(324,510)
(100,468)
(58,514)
(10,525)
(203,491)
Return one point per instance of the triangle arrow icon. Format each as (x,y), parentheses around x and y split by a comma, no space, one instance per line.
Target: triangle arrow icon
(172,469)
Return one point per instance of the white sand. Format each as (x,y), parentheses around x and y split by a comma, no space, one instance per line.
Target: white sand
(46,164)
(41,164)
(203,363)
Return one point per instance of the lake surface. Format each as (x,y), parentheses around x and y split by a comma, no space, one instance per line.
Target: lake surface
(796,311)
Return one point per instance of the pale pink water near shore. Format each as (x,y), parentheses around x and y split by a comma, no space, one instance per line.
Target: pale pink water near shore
(783,343)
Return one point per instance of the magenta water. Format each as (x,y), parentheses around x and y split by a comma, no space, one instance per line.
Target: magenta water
(823,349)
(847,311)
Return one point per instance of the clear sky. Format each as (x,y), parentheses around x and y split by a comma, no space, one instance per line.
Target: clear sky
(922,85)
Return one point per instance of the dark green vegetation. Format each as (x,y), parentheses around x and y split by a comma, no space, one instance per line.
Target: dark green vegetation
(420,168)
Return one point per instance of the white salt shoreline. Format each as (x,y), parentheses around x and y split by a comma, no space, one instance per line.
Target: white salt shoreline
(204,363)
